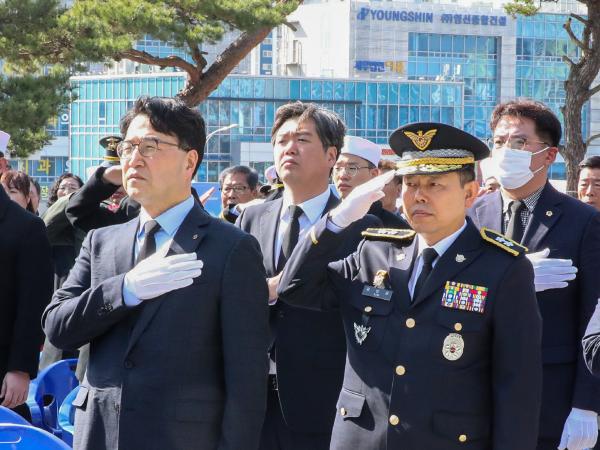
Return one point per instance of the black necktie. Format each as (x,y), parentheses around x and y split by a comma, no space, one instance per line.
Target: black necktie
(290,238)
(149,245)
(428,255)
(514,229)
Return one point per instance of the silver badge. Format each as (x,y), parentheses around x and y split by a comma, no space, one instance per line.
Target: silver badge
(360,333)
(453,347)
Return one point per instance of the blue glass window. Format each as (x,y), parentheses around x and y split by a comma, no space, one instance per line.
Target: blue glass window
(294,90)
(305,90)
(327,90)
(317,90)
(338,93)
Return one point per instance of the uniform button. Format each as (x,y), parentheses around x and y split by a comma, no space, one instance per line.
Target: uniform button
(458,326)
(400,370)
(462,438)
(128,364)
(343,411)
(410,323)
(368,309)
(394,420)
(281,314)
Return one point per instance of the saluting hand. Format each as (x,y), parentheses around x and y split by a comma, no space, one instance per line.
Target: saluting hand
(358,202)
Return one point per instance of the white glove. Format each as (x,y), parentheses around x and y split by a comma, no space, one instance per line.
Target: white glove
(580,431)
(358,202)
(551,273)
(158,274)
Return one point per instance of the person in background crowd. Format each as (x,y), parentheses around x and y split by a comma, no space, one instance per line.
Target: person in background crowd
(238,184)
(173,304)
(307,351)
(4,164)
(35,193)
(356,165)
(66,184)
(392,189)
(274,187)
(443,353)
(491,184)
(17,186)
(588,189)
(26,284)
(563,238)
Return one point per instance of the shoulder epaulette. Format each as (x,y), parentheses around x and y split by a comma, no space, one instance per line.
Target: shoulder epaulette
(388,234)
(499,240)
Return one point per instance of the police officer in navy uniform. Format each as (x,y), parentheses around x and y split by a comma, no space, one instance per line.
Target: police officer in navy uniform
(442,326)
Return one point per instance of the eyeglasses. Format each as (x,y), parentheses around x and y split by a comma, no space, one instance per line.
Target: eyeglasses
(350,170)
(147,147)
(238,189)
(518,143)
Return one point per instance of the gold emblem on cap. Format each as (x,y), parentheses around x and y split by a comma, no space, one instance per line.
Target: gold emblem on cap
(453,347)
(379,280)
(421,140)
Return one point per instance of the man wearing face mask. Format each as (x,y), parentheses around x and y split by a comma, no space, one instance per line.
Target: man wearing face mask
(563,238)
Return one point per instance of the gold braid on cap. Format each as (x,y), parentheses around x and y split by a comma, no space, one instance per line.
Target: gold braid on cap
(436,161)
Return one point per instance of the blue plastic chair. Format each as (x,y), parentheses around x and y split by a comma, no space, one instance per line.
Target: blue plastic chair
(9,416)
(26,437)
(66,417)
(48,391)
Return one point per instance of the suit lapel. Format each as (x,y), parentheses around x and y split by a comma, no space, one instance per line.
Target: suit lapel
(400,260)
(267,235)
(123,250)
(188,237)
(489,212)
(468,244)
(545,214)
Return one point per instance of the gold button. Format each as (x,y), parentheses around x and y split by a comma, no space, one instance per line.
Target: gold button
(400,370)
(462,438)
(410,323)
(368,309)
(458,326)
(343,411)
(394,420)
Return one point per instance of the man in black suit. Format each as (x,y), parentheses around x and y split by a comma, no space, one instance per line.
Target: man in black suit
(178,338)
(442,325)
(307,348)
(26,279)
(563,238)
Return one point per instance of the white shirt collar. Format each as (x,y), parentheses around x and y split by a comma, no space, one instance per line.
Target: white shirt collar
(169,220)
(312,208)
(441,246)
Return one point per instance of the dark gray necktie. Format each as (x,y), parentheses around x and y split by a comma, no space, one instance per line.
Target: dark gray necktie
(428,255)
(290,237)
(514,229)
(149,245)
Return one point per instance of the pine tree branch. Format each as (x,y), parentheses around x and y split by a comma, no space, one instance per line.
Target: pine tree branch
(581,19)
(197,56)
(147,58)
(568,60)
(569,30)
(593,91)
(590,139)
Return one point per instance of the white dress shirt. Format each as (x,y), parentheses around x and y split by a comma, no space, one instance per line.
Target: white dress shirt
(440,247)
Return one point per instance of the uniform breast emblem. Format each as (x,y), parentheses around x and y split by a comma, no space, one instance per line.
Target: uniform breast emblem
(453,347)
(379,280)
(360,333)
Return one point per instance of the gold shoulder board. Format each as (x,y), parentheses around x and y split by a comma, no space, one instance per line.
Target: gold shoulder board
(388,234)
(499,240)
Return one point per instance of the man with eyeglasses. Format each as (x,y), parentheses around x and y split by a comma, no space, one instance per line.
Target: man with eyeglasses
(356,165)
(238,185)
(172,304)
(563,238)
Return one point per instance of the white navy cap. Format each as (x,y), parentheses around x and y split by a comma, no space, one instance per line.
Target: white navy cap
(354,145)
(4,138)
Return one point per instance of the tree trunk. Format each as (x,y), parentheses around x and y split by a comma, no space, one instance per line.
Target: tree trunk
(574,149)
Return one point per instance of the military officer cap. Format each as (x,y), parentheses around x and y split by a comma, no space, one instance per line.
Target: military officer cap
(428,148)
(110,146)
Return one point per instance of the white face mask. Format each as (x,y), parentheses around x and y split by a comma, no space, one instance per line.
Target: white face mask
(511,167)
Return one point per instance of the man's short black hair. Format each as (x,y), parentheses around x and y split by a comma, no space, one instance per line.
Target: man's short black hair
(466,174)
(592,162)
(251,175)
(330,127)
(171,116)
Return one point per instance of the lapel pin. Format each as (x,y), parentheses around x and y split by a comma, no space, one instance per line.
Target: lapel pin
(460,258)
(400,256)
(549,213)
(195,237)
(360,333)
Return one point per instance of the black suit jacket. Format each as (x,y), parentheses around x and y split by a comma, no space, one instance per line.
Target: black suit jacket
(310,349)
(399,390)
(571,230)
(183,371)
(26,278)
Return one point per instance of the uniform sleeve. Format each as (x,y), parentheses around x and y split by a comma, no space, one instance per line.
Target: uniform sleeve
(591,343)
(244,323)
(517,360)
(34,290)
(78,312)
(586,394)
